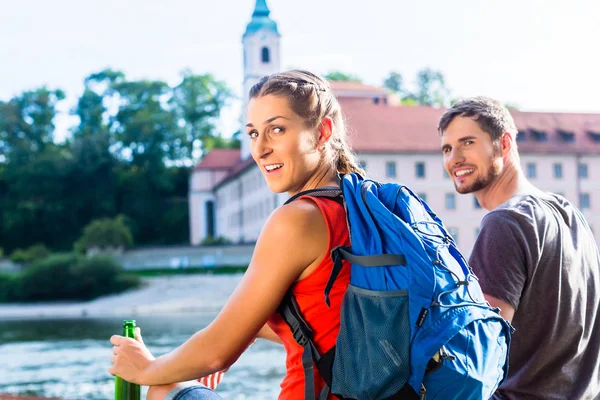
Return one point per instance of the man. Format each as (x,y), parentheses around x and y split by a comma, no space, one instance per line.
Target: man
(535,257)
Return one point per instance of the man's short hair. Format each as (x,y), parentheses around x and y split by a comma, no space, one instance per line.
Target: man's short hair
(491,116)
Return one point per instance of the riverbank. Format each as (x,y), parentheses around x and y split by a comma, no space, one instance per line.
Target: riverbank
(158,295)
(13,397)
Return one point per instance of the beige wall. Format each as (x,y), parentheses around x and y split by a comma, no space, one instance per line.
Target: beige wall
(248,196)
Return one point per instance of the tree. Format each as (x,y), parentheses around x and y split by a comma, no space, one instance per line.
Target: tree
(105,234)
(394,83)
(27,256)
(26,123)
(198,101)
(341,76)
(431,88)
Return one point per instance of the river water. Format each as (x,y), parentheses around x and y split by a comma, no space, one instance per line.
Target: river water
(68,358)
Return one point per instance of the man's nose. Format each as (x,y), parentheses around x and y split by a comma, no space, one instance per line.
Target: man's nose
(455,157)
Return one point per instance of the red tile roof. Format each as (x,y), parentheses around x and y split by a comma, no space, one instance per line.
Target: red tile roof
(356,89)
(219,159)
(239,168)
(401,129)
(391,129)
(380,128)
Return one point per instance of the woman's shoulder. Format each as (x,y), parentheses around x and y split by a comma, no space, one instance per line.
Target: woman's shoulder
(301,216)
(295,235)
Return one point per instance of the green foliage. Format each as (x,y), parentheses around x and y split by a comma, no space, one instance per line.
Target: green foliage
(31,254)
(104,234)
(212,241)
(7,286)
(394,82)
(197,102)
(26,123)
(430,89)
(130,154)
(341,76)
(1,252)
(67,277)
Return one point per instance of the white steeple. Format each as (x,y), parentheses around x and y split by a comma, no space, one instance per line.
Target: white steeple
(261,57)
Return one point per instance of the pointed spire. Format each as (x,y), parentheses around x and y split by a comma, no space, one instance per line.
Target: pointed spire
(260,19)
(261,9)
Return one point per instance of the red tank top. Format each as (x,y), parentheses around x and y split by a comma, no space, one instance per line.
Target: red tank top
(309,292)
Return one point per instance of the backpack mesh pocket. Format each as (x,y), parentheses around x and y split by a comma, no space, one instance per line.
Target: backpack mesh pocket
(372,351)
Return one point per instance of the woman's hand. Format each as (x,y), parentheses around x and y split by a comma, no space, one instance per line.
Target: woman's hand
(130,358)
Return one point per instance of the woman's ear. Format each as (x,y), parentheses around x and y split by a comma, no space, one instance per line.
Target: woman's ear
(325,131)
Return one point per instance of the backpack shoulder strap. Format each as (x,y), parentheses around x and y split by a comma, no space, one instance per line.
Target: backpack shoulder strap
(332,192)
(290,312)
(301,331)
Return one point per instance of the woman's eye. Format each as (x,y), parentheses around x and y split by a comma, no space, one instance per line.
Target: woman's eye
(277,130)
(253,134)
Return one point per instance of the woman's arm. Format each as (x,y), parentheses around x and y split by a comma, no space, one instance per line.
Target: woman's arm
(268,334)
(294,240)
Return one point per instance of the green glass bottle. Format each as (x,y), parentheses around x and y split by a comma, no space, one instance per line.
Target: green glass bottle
(125,390)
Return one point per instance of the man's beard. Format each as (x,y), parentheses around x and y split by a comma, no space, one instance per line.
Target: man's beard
(481,182)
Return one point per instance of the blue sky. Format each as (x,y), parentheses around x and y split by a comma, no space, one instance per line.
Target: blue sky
(541,55)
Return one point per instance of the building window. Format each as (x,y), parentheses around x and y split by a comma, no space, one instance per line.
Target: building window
(584,201)
(531,172)
(265,56)
(450,201)
(583,171)
(420,169)
(566,136)
(210,218)
(423,196)
(454,233)
(363,165)
(446,176)
(595,136)
(390,169)
(476,203)
(558,171)
(539,136)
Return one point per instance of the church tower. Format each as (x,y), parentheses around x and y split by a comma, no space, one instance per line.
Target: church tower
(261,57)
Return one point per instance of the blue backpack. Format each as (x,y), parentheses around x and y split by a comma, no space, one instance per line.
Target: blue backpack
(414,323)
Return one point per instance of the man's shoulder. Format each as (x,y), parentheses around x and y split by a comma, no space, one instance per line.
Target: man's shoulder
(513,211)
(527,209)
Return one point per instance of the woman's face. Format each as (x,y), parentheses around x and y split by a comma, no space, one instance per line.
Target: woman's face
(284,147)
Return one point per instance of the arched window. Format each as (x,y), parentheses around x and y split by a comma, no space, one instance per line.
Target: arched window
(266,57)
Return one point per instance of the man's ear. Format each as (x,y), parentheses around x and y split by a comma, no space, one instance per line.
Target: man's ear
(506,143)
(325,131)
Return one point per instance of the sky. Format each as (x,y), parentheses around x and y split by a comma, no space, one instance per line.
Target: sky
(540,55)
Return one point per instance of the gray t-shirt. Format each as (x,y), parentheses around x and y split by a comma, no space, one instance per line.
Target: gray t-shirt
(540,256)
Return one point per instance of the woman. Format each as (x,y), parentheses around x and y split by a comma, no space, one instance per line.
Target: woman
(298,141)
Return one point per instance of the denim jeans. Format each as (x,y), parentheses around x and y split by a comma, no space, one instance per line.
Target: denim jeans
(192,391)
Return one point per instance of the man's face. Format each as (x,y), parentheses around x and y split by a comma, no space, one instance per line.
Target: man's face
(471,158)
